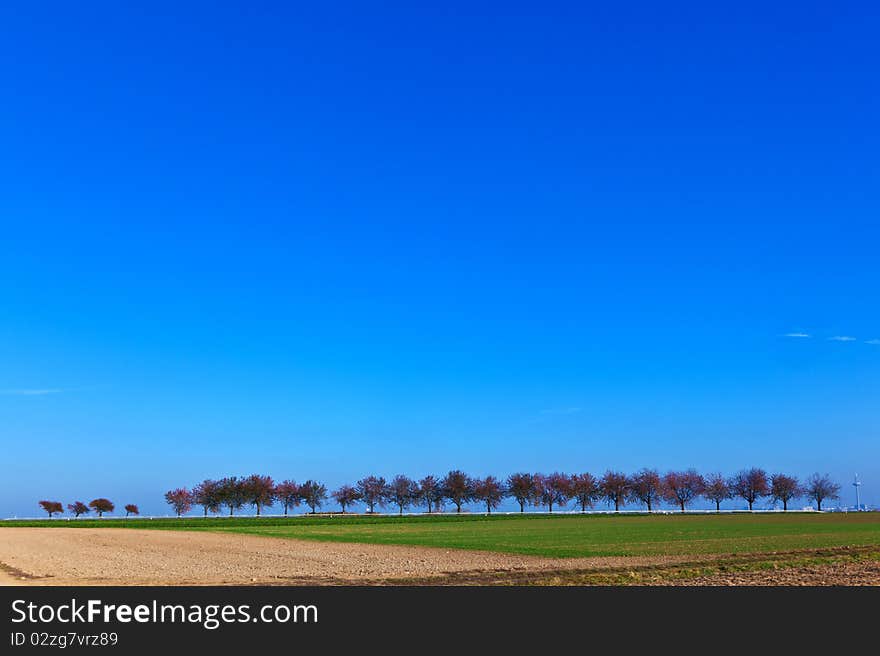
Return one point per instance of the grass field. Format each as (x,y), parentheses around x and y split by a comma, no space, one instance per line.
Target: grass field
(541,535)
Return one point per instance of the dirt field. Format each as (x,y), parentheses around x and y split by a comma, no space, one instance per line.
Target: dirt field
(837,574)
(47,556)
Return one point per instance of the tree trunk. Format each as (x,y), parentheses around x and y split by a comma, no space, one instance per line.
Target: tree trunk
(785,505)
(488,508)
(550,505)
(818,504)
(522,506)
(649,505)
(457,507)
(682,506)
(717,505)
(616,505)
(750,506)
(258,510)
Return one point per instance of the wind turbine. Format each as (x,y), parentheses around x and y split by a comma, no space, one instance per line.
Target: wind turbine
(857,484)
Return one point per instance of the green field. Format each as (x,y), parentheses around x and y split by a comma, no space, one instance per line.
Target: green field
(557,536)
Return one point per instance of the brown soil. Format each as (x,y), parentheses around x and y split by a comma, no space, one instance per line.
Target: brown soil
(844,573)
(51,556)
(83,556)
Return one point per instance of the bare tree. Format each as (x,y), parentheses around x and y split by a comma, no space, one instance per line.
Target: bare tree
(313,494)
(716,489)
(372,490)
(614,488)
(490,491)
(584,490)
(287,493)
(681,488)
(180,500)
(431,493)
(820,487)
(259,491)
(646,487)
(101,506)
(207,495)
(554,489)
(750,484)
(522,488)
(402,491)
(52,507)
(345,496)
(78,508)
(131,509)
(458,488)
(784,488)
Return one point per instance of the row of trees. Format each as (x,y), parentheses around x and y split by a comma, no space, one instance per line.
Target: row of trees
(647,488)
(78,508)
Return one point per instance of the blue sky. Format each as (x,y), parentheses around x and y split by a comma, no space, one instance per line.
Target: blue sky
(310,242)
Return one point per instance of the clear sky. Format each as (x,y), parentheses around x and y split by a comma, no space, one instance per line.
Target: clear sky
(331,241)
